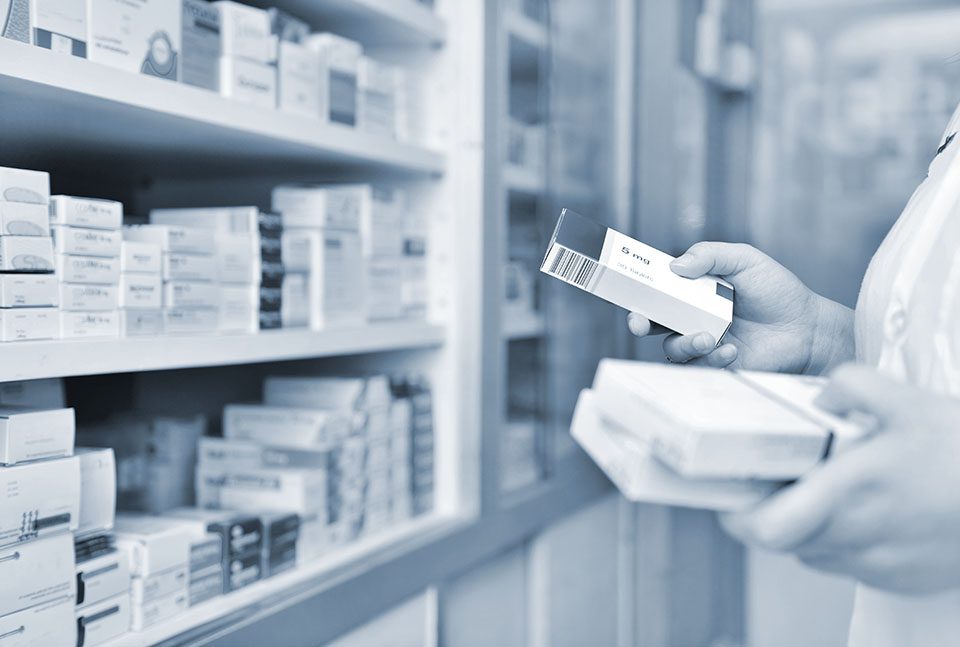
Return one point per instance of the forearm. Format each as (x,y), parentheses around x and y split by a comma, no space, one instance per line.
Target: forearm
(833,337)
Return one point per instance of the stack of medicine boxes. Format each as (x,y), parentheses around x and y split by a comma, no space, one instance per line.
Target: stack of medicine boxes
(248,55)
(141,289)
(381,235)
(86,234)
(239,250)
(191,296)
(28,287)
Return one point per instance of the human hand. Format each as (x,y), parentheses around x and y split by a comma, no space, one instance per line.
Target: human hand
(778,323)
(885,511)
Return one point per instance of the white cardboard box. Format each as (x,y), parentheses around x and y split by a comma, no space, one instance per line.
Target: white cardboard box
(101,622)
(28,434)
(157,611)
(86,241)
(284,426)
(140,258)
(47,393)
(37,572)
(140,37)
(22,185)
(98,490)
(225,220)
(102,577)
(159,585)
(27,324)
(28,290)
(60,26)
(74,325)
(295,301)
(340,58)
(298,80)
(139,323)
(141,291)
(26,254)
(190,294)
(156,545)
(246,33)
(24,219)
(248,81)
(381,221)
(53,623)
(627,273)
(384,289)
(189,267)
(254,490)
(85,212)
(190,321)
(39,499)
(238,308)
(319,206)
(87,297)
(88,269)
(238,258)
(220,454)
(188,240)
(376,109)
(335,393)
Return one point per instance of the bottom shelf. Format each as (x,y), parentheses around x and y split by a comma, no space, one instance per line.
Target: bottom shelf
(224,613)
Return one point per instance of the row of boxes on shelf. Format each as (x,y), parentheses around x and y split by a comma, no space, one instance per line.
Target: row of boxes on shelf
(326,461)
(331,255)
(263,57)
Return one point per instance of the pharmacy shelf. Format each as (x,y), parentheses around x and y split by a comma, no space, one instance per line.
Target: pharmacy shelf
(63,110)
(528,325)
(520,179)
(372,22)
(68,358)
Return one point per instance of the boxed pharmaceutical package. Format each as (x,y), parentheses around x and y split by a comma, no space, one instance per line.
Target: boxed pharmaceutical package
(334,393)
(24,219)
(37,572)
(22,185)
(88,269)
(384,289)
(319,206)
(89,298)
(744,425)
(140,258)
(188,321)
(295,301)
(98,490)
(76,325)
(52,623)
(15,21)
(248,81)
(138,323)
(103,577)
(141,37)
(238,308)
(159,585)
(205,585)
(283,489)
(222,454)
(28,290)
(29,324)
(381,220)
(86,241)
(246,33)
(285,426)
(239,533)
(152,613)
(238,258)
(200,45)
(637,277)
(206,550)
(176,239)
(189,267)
(141,291)
(26,254)
(223,220)
(190,294)
(377,102)
(340,60)
(155,545)
(39,499)
(28,434)
(337,281)
(298,80)
(85,212)
(39,394)
(60,26)
(102,621)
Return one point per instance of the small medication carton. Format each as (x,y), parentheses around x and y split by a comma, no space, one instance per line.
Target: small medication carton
(47,393)
(159,585)
(188,240)
(302,492)
(340,59)
(285,426)
(319,206)
(224,454)
(28,434)
(627,273)
(60,26)
(103,577)
(191,294)
(337,279)
(140,37)
(75,325)
(246,33)
(189,267)
(86,241)
(88,269)
(141,291)
(190,320)
(26,254)
(100,622)
(37,572)
(240,533)
(140,258)
(53,623)
(22,185)
(200,45)
(82,297)
(206,585)
(333,393)
(140,323)
(238,258)
(155,544)
(39,499)
(29,324)
(222,220)
(98,490)
(85,212)
(28,290)
(298,80)
(24,219)
(158,611)
(376,112)
(248,81)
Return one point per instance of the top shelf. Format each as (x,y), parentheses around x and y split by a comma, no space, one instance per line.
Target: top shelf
(73,111)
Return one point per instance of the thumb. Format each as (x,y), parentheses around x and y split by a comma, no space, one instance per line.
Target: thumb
(719,259)
(854,389)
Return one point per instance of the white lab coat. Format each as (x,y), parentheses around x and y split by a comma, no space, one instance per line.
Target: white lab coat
(908,326)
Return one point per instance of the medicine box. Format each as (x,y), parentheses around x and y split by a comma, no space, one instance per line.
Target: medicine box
(239,533)
(152,613)
(189,240)
(189,321)
(337,281)
(222,454)
(37,572)
(86,241)
(22,185)
(238,258)
(60,26)
(24,219)
(340,60)
(40,394)
(155,545)
(88,269)
(200,59)
(85,212)
(98,490)
(280,560)
(101,622)
(376,110)
(298,80)
(75,325)
(39,499)
(206,585)
(226,220)
(53,623)
(333,206)
(28,290)
(238,308)
(140,258)
(242,571)
(246,33)
(285,426)
(190,294)
(28,434)
(15,21)
(83,297)
(384,289)
(141,291)
(338,393)
(141,37)
(159,585)
(637,277)
(26,254)
(137,323)
(103,577)
(381,221)
(205,551)
(248,81)
(295,301)
(27,324)
(282,489)
(279,529)
(189,267)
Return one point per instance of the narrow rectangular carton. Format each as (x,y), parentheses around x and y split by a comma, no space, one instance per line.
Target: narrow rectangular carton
(53,623)
(85,212)
(102,578)
(102,621)
(284,426)
(98,490)
(84,297)
(139,323)
(39,499)
(86,241)
(141,291)
(74,325)
(88,269)
(189,267)
(140,37)
(22,185)
(28,290)
(24,219)
(26,254)
(28,324)
(60,26)
(37,572)
(199,64)
(189,240)
(248,81)
(155,544)
(140,258)
(28,434)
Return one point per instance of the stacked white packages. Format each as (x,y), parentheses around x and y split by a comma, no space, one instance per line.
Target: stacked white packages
(141,289)
(87,239)
(248,55)
(339,67)
(298,67)
(28,288)
(191,298)
(236,233)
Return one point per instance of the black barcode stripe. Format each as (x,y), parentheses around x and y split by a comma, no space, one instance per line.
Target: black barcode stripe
(573,267)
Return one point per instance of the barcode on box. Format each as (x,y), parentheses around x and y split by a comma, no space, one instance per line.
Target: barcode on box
(570,266)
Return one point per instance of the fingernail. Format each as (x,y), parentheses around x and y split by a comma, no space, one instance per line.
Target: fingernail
(703,342)
(728,352)
(679,263)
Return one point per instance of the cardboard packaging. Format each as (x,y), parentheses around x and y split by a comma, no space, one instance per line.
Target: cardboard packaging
(39,499)
(25,186)
(140,323)
(248,81)
(282,489)
(190,294)
(28,290)
(333,393)
(242,571)
(142,36)
(101,622)
(246,33)
(340,59)
(28,434)
(144,590)
(284,426)
(384,289)
(206,551)
(155,544)
(189,267)
(281,559)
(88,269)
(186,240)
(85,212)
(60,26)
(158,611)
(337,280)
(376,110)
(88,298)
(238,258)
(141,291)
(53,623)
(331,206)
(222,454)
(98,490)
(29,324)
(37,573)
(190,321)
(74,325)
(39,394)
(200,59)
(26,254)
(140,258)
(238,308)
(381,221)
(222,220)
(206,585)
(298,80)
(627,273)
(295,301)
(24,219)
(15,21)
(94,545)
(86,242)
(102,578)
